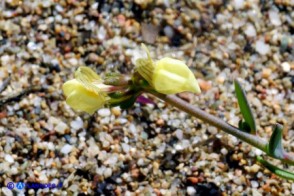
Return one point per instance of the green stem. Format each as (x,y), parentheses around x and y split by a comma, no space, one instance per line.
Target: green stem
(253,140)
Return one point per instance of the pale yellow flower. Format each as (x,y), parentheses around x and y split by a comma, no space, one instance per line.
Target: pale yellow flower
(167,75)
(86,92)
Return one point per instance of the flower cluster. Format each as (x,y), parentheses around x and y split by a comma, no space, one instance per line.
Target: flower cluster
(88,92)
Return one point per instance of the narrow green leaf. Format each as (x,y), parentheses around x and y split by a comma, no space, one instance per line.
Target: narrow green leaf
(279,172)
(129,102)
(244,126)
(275,147)
(244,107)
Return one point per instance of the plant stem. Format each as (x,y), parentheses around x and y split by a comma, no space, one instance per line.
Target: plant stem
(253,140)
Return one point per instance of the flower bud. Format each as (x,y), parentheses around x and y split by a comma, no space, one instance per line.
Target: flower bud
(167,75)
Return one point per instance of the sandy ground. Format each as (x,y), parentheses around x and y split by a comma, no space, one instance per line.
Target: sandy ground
(151,149)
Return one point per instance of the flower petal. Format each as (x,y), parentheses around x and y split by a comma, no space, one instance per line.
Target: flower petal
(145,66)
(173,76)
(88,78)
(70,86)
(80,98)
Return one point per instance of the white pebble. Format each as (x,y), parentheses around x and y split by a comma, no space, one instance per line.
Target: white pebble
(191,190)
(93,149)
(42,177)
(224,151)
(73,61)
(66,149)
(133,130)
(168,31)
(7,191)
(77,124)
(175,122)
(238,4)
(179,134)
(104,112)
(59,8)
(61,127)
(9,158)
(140,162)
(256,193)
(5,59)
(212,130)
(46,3)
(122,120)
(254,184)
(14,170)
(79,18)
(250,31)
(111,160)
(261,47)
(275,18)
(37,101)
(182,145)
(74,188)
(101,33)
(240,188)
(107,172)
(258,152)
(125,147)
(286,67)
(259,175)
(94,6)
(32,46)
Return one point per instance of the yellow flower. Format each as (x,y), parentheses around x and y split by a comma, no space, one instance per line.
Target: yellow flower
(86,92)
(167,75)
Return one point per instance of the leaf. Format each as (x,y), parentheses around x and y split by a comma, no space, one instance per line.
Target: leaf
(279,172)
(244,107)
(275,147)
(244,126)
(128,103)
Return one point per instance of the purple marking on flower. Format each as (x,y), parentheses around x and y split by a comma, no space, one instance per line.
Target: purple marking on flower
(144,100)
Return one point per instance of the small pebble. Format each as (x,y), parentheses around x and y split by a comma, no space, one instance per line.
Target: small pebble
(255,192)
(77,124)
(107,173)
(254,184)
(275,18)
(168,31)
(204,85)
(250,31)
(238,4)
(191,190)
(266,73)
(61,127)
(179,134)
(6,191)
(224,151)
(9,158)
(104,112)
(66,149)
(262,48)
(286,66)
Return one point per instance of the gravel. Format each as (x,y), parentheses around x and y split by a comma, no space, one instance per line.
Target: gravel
(149,149)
